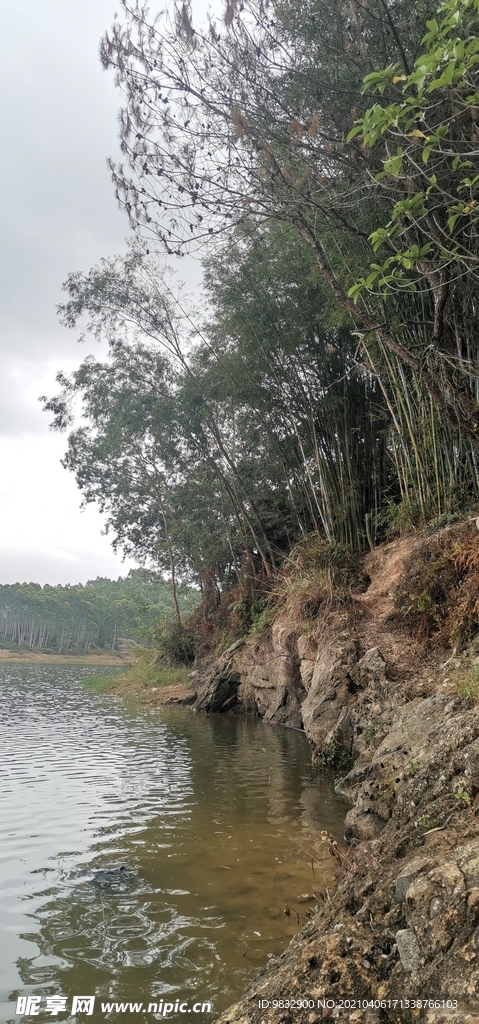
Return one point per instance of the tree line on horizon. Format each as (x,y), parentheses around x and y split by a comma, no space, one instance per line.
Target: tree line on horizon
(80,618)
(322,161)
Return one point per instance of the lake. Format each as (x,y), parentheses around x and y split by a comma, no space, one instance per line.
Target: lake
(147,857)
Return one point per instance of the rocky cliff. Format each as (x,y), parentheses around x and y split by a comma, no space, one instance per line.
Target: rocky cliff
(403,921)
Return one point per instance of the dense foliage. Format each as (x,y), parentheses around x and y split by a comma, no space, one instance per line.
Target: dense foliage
(101,614)
(312,389)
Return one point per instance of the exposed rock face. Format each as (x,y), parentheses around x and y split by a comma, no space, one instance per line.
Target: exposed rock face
(217,683)
(326,710)
(292,681)
(264,680)
(403,921)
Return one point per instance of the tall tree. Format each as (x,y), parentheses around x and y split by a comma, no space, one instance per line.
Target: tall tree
(149,426)
(250,122)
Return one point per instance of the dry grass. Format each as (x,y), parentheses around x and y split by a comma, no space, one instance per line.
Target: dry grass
(438,595)
(317,575)
(467,683)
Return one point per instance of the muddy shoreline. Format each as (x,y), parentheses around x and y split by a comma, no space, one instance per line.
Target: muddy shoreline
(37,658)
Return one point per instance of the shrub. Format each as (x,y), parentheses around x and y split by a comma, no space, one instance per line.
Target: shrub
(174,643)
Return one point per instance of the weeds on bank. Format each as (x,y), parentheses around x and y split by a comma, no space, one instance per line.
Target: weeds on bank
(468,684)
(462,796)
(98,683)
(144,675)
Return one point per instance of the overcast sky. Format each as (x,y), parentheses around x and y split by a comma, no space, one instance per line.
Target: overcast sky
(58,126)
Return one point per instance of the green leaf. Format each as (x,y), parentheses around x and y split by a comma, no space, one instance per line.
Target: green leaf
(457,162)
(433,29)
(355,291)
(371,278)
(354,132)
(418,78)
(469,183)
(445,79)
(378,237)
(394,164)
(451,221)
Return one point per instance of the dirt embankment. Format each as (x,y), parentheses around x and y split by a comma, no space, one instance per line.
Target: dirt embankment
(403,920)
(150,696)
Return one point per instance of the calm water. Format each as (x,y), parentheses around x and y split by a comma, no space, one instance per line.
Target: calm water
(215,818)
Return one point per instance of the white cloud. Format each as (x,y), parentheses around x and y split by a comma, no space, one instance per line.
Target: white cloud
(44,536)
(58,213)
(58,124)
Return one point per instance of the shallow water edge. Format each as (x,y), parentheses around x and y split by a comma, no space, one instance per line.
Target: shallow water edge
(217,821)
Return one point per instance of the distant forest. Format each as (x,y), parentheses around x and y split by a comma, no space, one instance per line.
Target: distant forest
(101,614)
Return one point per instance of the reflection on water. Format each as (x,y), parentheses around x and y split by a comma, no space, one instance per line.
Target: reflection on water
(212,817)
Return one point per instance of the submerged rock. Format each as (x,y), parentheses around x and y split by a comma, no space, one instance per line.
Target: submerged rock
(114,880)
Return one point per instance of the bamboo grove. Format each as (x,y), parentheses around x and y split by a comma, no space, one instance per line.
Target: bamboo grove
(321,161)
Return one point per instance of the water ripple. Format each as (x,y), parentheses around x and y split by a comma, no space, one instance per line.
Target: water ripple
(214,819)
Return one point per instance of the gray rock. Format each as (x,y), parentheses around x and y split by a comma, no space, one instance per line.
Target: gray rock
(114,880)
(329,693)
(307,648)
(467,859)
(407,875)
(408,949)
(362,824)
(259,679)
(370,669)
(306,671)
(218,681)
(436,907)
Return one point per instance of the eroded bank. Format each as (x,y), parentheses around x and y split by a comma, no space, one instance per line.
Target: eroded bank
(403,920)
